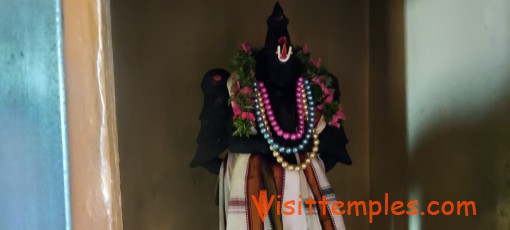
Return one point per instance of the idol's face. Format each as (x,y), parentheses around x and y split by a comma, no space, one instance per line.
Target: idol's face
(280,73)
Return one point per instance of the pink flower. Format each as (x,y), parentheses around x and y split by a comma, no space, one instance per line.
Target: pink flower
(244,115)
(246,90)
(329,99)
(319,81)
(306,50)
(327,93)
(337,117)
(248,116)
(237,109)
(246,47)
(316,62)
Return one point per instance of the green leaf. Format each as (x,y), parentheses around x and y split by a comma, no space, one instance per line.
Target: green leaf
(330,109)
(317,93)
(243,127)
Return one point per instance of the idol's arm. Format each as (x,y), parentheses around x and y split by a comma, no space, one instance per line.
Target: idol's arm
(213,137)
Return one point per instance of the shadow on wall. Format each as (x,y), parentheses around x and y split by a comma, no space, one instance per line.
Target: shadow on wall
(458,96)
(460,156)
(462,159)
(388,131)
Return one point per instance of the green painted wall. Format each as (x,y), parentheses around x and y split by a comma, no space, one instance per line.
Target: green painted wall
(33,151)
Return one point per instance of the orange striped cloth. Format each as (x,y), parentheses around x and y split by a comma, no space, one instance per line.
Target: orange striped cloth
(245,175)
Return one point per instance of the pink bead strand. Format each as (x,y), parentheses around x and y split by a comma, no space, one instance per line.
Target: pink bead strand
(300,110)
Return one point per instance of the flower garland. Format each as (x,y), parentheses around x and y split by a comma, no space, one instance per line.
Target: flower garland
(243,94)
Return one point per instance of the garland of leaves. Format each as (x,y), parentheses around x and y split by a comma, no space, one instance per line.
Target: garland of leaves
(242,93)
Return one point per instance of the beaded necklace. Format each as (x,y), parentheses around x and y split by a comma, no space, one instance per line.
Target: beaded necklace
(306,113)
(252,107)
